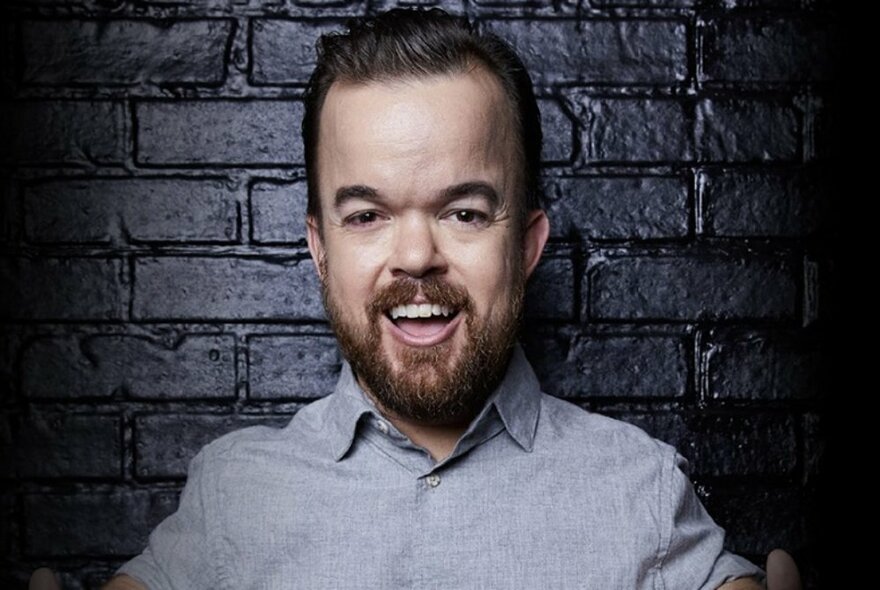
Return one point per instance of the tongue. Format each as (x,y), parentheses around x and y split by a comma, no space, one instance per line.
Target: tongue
(422,326)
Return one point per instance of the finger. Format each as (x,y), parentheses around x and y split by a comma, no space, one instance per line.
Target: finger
(43,579)
(782,572)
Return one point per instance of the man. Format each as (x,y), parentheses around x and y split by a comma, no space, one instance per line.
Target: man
(437,461)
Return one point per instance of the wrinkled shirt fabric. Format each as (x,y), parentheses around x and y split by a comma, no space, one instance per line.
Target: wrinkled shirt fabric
(538,493)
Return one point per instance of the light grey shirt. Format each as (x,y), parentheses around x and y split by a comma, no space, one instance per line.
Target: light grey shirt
(538,493)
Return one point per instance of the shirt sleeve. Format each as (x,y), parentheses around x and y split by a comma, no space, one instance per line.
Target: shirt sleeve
(695,556)
(177,555)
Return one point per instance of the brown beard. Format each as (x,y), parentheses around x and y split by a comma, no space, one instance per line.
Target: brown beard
(429,385)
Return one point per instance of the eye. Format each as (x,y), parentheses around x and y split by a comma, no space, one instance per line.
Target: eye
(362,218)
(469,217)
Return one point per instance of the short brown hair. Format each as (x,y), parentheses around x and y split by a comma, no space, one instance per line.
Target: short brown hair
(405,43)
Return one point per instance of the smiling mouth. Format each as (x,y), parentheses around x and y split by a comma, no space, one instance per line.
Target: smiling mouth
(422,321)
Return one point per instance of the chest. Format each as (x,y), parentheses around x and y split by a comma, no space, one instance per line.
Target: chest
(498,524)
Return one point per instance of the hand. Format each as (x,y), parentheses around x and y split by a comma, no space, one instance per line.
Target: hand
(782,573)
(44,579)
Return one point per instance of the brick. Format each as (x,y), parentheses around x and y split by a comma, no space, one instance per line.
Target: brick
(349,7)
(292,366)
(550,291)
(65,445)
(617,208)
(754,444)
(752,4)
(278,212)
(769,48)
(598,51)
(781,513)
(62,288)
(734,130)
(558,131)
(546,346)
(165,444)
(643,3)
(742,365)
(90,524)
(627,366)
(124,52)
(724,445)
(196,366)
(457,7)
(619,366)
(671,428)
(221,132)
(83,133)
(515,7)
(638,130)
(139,210)
(189,288)
(689,288)
(775,203)
(283,51)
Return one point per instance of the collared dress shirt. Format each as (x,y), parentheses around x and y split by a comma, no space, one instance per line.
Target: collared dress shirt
(538,493)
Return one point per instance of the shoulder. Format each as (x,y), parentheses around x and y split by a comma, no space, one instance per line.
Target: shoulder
(303,428)
(571,430)
(568,419)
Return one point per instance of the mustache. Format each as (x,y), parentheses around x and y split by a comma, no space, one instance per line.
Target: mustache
(404,290)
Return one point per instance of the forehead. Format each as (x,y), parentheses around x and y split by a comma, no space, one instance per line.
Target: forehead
(435,129)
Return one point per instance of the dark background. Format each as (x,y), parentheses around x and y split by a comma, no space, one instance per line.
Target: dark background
(156,291)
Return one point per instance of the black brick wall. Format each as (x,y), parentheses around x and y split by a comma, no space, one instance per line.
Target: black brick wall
(157,291)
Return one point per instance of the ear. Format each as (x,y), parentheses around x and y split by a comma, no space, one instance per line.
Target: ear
(536,233)
(316,243)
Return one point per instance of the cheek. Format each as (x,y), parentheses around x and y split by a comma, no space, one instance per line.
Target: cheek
(349,289)
(359,254)
(352,276)
(490,280)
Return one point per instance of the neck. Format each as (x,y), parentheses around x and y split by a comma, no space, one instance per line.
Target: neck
(438,439)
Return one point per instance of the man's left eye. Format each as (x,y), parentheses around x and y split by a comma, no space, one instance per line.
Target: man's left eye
(469,216)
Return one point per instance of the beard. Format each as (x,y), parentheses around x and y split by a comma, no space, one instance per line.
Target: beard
(430,385)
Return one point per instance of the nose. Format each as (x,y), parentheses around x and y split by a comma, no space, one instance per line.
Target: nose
(416,252)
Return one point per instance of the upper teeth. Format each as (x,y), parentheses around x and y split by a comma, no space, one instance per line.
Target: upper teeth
(419,310)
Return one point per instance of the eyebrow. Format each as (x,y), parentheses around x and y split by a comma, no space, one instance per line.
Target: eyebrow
(357,191)
(367,193)
(484,189)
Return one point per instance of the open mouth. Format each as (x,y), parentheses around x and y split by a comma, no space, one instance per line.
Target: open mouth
(423,323)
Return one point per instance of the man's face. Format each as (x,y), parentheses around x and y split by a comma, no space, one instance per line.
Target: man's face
(422,266)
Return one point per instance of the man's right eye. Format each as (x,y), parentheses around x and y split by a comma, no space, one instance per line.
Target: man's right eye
(362,218)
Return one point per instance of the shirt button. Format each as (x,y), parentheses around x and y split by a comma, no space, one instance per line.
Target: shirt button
(433,480)
(382,426)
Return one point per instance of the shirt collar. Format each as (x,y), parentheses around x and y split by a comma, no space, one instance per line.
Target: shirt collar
(517,400)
